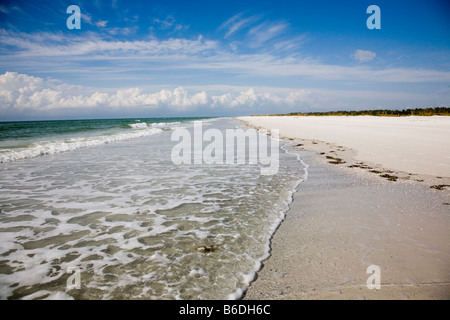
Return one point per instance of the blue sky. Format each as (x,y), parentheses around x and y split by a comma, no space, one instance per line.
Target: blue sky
(213,58)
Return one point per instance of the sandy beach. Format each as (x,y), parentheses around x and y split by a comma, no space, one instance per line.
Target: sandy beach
(376,195)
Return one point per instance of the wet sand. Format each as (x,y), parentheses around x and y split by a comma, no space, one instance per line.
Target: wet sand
(345,218)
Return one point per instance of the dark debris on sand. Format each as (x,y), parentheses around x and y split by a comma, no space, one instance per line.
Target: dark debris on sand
(440,186)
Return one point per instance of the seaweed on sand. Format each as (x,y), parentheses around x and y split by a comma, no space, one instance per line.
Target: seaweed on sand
(389,177)
(335,160)
(206,249)
(440,186)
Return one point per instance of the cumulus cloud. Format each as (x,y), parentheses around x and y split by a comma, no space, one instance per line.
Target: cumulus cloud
(25,96)
(22,93)
(363,55)
(300,97)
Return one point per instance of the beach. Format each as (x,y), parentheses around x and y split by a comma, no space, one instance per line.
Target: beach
(376,195)
(109,202)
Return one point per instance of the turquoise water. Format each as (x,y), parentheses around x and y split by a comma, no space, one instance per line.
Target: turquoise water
(21,134)
(30,139)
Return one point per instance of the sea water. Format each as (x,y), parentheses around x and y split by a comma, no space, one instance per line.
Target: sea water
(103,198)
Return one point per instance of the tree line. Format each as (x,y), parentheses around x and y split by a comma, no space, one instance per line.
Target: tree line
(441,111)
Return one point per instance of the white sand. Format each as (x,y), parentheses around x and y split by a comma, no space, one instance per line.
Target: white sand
(418,145)
(345,217)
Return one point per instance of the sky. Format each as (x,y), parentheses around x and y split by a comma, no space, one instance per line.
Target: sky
(220,58)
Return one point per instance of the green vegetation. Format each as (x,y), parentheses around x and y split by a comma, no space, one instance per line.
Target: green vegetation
(384,113)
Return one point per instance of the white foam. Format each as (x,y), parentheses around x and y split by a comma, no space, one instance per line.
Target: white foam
(248,278)
(138,125)
(48,295)
(165,124)
(197,272)
(57,146)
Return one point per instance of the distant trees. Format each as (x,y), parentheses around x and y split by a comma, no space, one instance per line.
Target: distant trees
(441,111)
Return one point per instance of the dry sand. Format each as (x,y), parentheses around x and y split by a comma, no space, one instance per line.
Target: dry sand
(411,144)
(347,216)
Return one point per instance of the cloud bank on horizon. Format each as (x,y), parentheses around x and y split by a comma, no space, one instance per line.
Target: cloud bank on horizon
(173,58)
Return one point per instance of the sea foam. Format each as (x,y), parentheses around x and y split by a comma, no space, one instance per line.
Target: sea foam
(135,224)
(63,145)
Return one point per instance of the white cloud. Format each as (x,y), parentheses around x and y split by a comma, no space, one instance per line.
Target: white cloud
(363,55)
(235,23)
(103,59)
(45,44)
(45,51)
(266,65)
(101,23)
(21,92)
(8,10)
(264,32)
(256,33)
(86,17)
(164,24)
(169,23)
(300,97)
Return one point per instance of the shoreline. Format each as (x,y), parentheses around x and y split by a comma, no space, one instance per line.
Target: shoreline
(344,218)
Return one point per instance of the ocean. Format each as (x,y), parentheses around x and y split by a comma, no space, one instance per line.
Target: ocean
(99,209)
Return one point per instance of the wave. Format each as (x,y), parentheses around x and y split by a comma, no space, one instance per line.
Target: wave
(164,124)
(63,145)
(144,125)
(138,125)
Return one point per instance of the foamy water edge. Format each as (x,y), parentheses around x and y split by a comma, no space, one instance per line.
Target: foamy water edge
(250,277)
